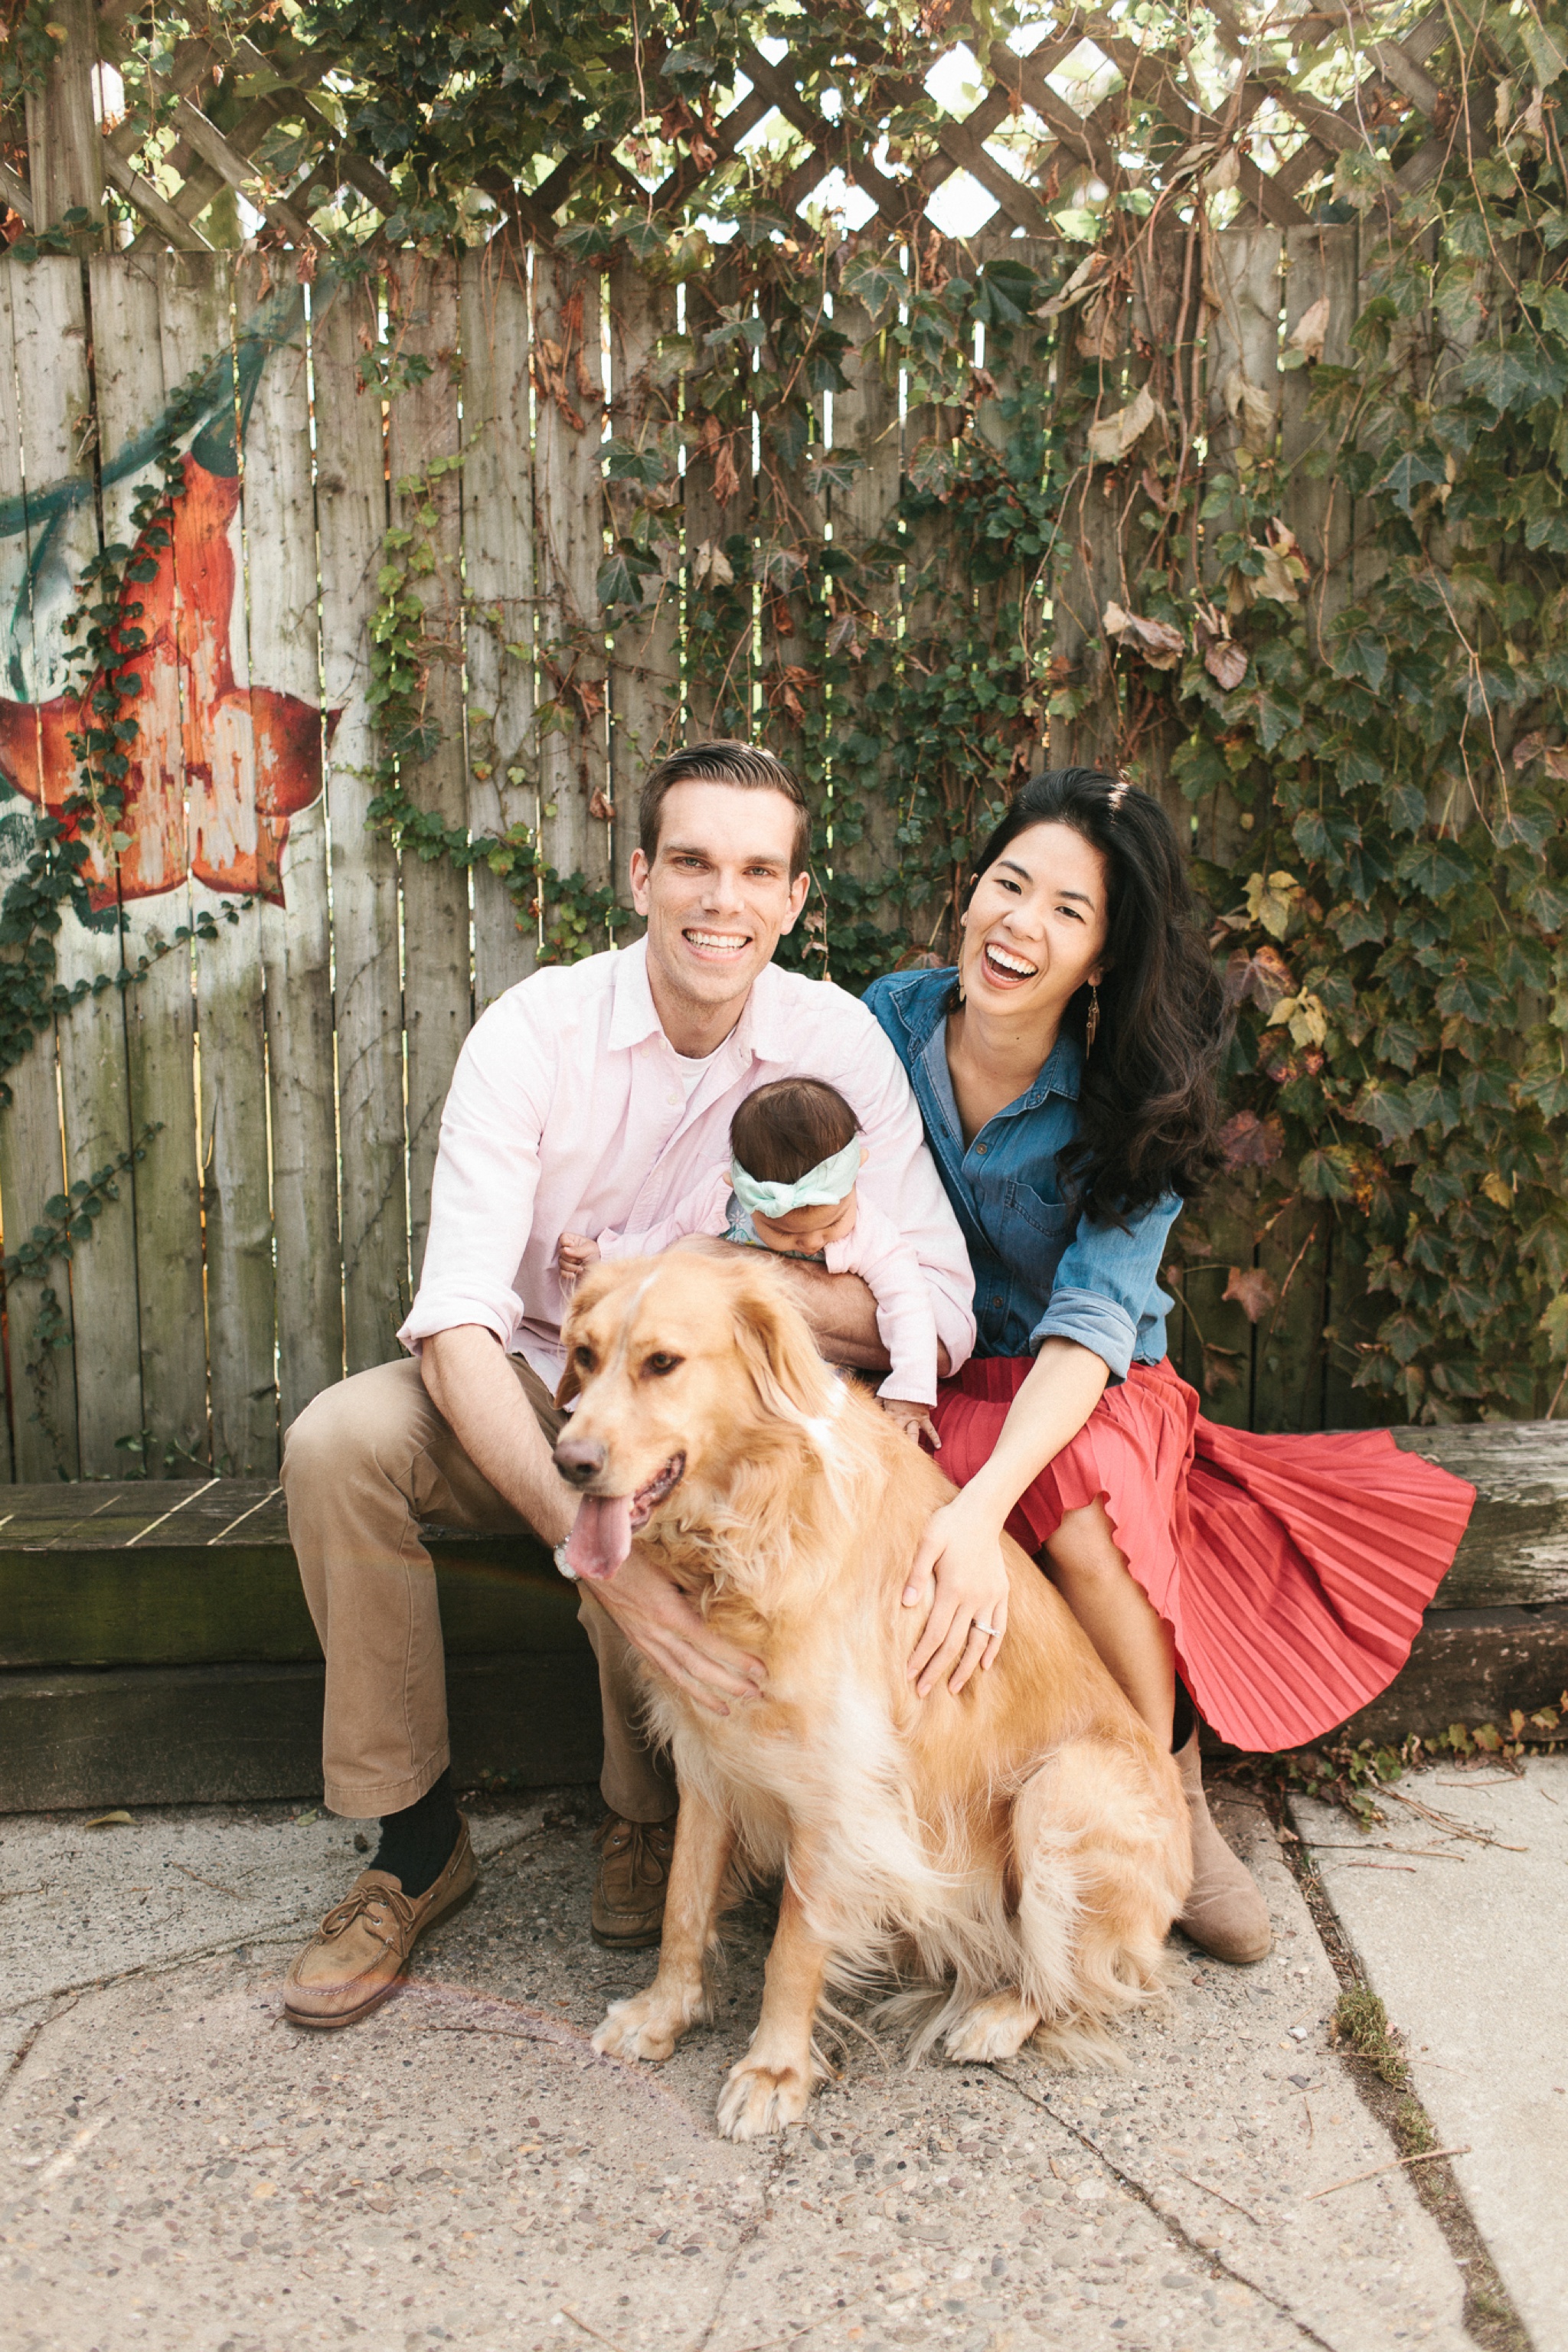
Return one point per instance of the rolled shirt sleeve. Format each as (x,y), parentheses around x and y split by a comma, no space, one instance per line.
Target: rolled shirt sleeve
(1105,1282)
(487,1175)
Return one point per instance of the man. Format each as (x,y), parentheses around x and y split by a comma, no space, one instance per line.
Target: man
(593,1095)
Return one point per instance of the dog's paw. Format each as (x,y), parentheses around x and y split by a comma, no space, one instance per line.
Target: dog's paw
(646,2026)
(994,2028)
(757,2100)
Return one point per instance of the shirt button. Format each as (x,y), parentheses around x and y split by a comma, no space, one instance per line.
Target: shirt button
(997,1302)
(674,1102)
(982,1149)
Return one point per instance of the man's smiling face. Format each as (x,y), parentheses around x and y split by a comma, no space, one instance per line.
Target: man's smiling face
(717,899)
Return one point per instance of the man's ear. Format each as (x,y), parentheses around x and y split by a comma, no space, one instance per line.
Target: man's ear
(640,873)
(777,1350)
(798,890)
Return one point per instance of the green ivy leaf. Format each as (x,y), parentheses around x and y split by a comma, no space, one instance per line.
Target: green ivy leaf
(1502,376)
(875,279)
(1436,867)
(1387,1107)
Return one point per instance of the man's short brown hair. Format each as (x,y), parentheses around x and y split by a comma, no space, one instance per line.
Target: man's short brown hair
(724,763)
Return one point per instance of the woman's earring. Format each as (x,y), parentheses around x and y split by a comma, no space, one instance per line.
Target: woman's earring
(1091,1026)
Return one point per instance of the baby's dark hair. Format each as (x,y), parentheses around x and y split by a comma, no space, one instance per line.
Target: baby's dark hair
(783,1130)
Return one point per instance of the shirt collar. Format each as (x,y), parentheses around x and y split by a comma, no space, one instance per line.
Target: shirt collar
(925,1007)
(763,1029)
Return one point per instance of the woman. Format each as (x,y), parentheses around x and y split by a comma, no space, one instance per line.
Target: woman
(1066,1075)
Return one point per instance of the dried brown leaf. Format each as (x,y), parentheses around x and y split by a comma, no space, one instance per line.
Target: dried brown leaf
(1161,646)
(1311,329)
(1253,1290)
(1248,1141)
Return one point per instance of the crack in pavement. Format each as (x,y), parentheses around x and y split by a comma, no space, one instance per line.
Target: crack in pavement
(750,2232)
(1204,2254)
(283,1932)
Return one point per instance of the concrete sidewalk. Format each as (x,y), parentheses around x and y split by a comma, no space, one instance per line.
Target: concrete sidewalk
(1463,1930)
(181,2168)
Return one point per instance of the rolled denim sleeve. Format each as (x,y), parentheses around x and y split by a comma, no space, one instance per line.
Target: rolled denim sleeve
(1105,1282)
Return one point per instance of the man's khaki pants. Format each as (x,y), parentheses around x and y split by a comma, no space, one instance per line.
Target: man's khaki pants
(363,1466)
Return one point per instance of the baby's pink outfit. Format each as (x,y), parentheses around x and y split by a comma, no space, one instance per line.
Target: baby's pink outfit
(874,1249)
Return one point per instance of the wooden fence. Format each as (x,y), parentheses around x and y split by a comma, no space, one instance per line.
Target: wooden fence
(294,1069)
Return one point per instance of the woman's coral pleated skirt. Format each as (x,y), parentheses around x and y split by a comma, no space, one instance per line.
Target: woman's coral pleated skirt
(1291,1571)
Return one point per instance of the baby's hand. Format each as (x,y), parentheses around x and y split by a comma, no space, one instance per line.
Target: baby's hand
(578,1252)
(912,1419)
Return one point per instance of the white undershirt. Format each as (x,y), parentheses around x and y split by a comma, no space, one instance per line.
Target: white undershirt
(690,1073)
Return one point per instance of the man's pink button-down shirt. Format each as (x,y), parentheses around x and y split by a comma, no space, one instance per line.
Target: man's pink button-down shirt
(567,1113)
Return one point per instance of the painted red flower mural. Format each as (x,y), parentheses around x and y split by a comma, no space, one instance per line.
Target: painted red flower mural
(217,769)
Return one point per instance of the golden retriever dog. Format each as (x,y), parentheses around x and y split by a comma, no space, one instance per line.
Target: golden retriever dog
(1012,1858)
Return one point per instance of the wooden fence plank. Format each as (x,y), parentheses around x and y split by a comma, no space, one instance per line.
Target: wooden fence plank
(719,620)
(865,421)
(94,1107)
(644,664)
(498,566)
(350,505)
(32,1169)
(296,946)
(17,676)
(1322,266)
(568,506)
(1242,407)
(421,298)
(196,322)
(131,389)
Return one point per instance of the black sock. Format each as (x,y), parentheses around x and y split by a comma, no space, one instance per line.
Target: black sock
(416,1844)
(1183,1722)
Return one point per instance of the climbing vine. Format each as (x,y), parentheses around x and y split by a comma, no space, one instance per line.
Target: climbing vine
(568,915)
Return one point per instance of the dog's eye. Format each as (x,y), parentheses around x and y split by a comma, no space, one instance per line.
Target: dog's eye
(583,1358)
(659,1365)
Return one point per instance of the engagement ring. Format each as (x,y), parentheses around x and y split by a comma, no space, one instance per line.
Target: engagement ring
(981,1627)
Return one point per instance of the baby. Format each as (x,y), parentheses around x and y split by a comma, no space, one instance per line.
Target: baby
(790,1187)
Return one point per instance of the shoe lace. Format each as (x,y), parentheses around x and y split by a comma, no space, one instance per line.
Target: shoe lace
(364,1903)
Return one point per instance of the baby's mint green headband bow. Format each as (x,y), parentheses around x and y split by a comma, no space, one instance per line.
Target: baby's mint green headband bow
(818,1189)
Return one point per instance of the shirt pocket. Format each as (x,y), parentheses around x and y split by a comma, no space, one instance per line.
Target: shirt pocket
(1051,1220)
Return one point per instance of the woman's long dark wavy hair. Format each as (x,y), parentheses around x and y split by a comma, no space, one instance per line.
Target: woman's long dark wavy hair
(1149,1104)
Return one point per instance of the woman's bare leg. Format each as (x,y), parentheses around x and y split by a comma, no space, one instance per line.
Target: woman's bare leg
(1106,1598)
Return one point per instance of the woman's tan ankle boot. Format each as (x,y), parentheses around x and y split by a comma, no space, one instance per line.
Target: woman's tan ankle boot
(1226,1914)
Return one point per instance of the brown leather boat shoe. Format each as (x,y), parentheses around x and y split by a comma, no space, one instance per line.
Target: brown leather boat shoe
(360,1950)
(628,1910)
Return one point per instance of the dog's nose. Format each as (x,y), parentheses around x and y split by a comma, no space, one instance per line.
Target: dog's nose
(578,1459)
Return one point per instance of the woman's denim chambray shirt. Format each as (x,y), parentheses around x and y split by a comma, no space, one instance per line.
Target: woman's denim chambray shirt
(1041,1271)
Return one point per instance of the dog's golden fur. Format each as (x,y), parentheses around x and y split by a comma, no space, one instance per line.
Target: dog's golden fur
(1016,1854)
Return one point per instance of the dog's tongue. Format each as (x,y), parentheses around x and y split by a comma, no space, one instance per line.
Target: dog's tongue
(601,1534)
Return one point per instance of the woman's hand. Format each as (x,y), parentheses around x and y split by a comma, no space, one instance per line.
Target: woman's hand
(961,1550)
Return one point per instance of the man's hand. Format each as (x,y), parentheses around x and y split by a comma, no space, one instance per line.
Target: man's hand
(658,1619)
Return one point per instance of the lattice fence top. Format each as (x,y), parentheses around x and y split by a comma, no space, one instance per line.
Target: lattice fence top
(1256,109)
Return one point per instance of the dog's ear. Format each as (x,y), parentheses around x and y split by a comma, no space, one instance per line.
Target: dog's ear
(778,1350)
(570,1385)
